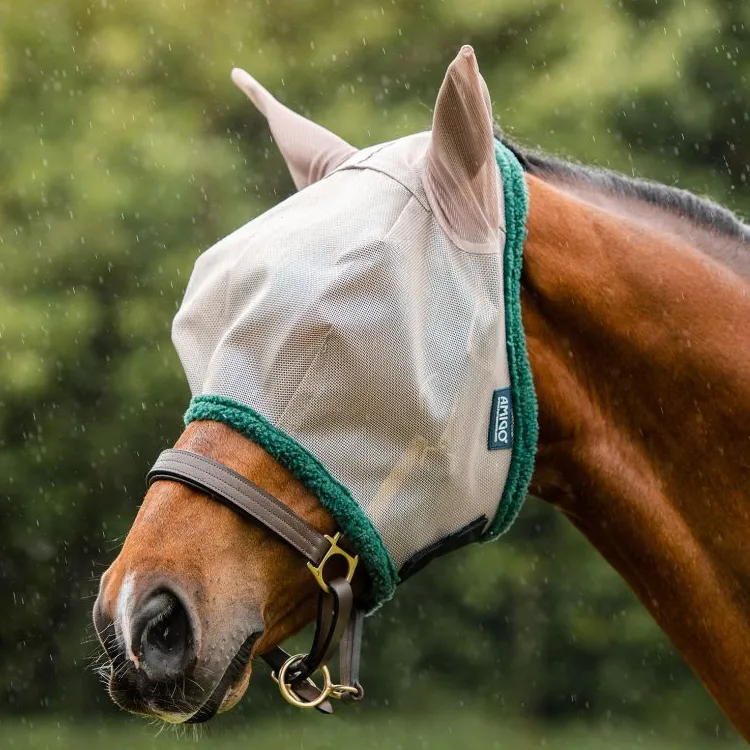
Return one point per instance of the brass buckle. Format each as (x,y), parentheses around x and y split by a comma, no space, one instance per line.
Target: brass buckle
(329,690)
(333,550)
(287,691)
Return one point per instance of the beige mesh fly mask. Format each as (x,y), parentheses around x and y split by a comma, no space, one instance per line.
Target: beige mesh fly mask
(366,331)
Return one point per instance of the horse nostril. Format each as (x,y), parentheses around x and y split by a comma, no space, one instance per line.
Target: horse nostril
(161,633)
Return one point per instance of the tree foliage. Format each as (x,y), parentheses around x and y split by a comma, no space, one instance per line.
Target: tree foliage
(126,151)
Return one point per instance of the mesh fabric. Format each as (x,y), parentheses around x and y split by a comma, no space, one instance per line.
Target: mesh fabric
(350,320)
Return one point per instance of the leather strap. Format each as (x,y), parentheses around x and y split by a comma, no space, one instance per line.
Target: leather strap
(222,483)
(334,611)
(349,651)
(338,620)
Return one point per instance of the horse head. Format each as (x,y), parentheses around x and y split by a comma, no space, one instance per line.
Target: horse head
(198,590)
(358,366)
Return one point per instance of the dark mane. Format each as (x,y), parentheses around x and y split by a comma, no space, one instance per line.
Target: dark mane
(701,211)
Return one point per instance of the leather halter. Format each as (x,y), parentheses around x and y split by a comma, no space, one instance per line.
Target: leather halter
(339,621)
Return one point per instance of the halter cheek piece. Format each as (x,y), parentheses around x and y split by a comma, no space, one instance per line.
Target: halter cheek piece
(339,621)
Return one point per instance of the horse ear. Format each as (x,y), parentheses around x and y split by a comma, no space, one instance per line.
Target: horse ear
(310,151)
(461,177)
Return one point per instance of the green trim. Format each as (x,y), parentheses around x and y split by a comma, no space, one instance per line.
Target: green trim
(525,420)
(305,467)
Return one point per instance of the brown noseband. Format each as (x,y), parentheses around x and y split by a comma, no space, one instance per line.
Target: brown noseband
(339,621)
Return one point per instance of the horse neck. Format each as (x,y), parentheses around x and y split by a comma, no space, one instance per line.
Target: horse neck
(638,345)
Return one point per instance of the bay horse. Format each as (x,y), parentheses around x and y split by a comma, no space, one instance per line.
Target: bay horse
(635,303)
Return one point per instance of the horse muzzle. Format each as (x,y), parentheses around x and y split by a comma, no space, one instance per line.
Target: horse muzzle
(153,642)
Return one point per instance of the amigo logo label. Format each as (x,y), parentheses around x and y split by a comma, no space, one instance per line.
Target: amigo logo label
(501,421)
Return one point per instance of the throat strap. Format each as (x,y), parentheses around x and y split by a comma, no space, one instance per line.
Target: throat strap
(339,622)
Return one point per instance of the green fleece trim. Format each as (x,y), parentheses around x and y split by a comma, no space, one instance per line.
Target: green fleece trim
(305,467)
(525,412)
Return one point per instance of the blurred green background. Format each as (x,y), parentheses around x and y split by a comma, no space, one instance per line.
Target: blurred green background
(125,151)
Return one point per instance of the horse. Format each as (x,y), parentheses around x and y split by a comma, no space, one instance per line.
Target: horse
(635,304)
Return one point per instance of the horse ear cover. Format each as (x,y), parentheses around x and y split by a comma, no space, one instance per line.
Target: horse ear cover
(461,179)
(310,151)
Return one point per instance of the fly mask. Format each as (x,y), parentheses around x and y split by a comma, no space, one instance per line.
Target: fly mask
(366,332)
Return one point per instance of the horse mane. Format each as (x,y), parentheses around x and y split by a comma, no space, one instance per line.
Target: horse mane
(702,211)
